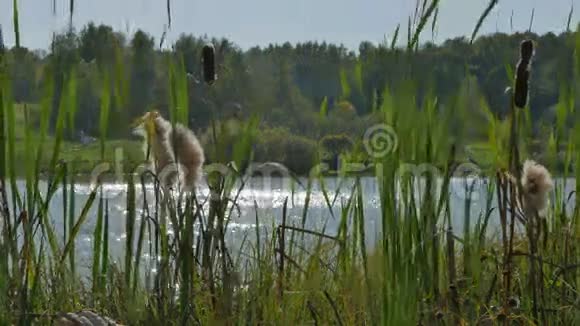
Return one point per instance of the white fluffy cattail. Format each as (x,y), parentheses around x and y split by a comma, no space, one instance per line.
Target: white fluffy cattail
(536,185)
(171,145)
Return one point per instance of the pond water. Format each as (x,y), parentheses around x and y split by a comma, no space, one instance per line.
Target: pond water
(267,200)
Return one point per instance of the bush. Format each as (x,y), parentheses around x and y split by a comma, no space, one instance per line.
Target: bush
(279,145)
(332,147)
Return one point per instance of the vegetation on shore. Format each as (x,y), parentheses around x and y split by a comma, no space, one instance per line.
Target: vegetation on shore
(301,92)
(421,270)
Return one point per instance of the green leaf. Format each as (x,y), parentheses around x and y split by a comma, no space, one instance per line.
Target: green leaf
(569,22)
(45,108)
(434,24)
(16,23)
(121,89)
(577,52)
(97,236)
(104,114)
(59,129)
(77,227)
(486,12)
(424,18)
(395,37)
(129,229)
(71,98)
(344,84)
(182,96)
(324,108)
(509,70)
(105,256)
(358,76)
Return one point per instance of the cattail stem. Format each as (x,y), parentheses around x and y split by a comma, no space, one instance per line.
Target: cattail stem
(4,210)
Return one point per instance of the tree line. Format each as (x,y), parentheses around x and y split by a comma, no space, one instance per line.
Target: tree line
(308,91)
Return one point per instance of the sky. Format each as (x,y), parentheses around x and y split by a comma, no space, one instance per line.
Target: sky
(260,22)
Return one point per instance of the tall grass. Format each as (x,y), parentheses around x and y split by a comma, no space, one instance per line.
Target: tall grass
(421,271)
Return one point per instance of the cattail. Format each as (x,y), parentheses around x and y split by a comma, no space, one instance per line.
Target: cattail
(523,74)
(536,184)
(188,151)
(208,60)
(175,150)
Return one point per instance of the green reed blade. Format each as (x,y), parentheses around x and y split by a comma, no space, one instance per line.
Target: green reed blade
(344,84)
(129,230)
(66,223)
(434,23)
(577,52)
(29,163)
(306,201)
(10,122)
(395,37)
(46,224)
(97,250)
(36,284)
(182,94)
(59,128)
(104,113)
(71,215)
(71,10)
(71,99)
(15,22)
(326,196)
(358,76)
(172,96)
(138,253)
(45,108)
(105,254)
(532,20)
(323,112)
(486,12)
(121,85)
(424,18)
(569,21)
(77,227)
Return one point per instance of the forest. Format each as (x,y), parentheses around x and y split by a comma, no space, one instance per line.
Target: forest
(305,95)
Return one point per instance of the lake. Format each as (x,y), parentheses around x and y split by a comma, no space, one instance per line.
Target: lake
(269,198)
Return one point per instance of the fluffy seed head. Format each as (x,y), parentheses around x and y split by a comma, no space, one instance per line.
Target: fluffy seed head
(536,184)
(176,151)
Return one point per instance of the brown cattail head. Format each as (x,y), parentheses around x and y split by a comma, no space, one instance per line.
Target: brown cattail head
(208,60)
(527,50)
(523,74)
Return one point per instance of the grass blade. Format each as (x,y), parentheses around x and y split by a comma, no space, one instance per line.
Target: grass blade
(486,12)
(97,250)
(15,22)
(569,21)
(395,37)
(104,114)
(424,18)
(77,227)
(324,108)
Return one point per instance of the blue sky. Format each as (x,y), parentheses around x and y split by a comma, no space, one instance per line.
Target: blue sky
(260,22)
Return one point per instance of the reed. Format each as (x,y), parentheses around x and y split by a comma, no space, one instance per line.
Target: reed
(178,268)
